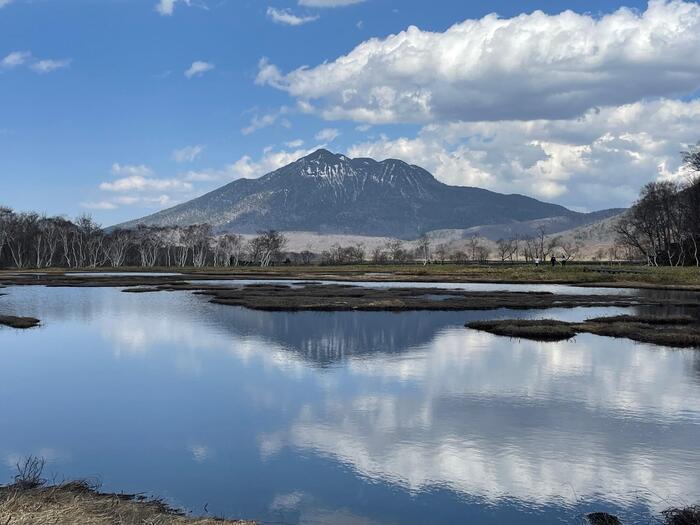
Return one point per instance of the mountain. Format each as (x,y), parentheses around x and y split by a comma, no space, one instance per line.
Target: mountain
(332,194)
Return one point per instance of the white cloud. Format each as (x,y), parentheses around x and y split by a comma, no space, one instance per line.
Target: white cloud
(599,160)
(140,170)
(329,3)
(327,135)
(246,167)
(532,66)
(157,201)
(14,59)
(188,153)
(143,200)
(99,205)
(167,7)
(47,66)
(260,122)
(198,68)
(287,17)
(22,58)
(141,178)
(139,183)
(294,143)
(4,3)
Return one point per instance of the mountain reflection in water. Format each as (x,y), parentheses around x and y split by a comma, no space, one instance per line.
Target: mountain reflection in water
(347,417)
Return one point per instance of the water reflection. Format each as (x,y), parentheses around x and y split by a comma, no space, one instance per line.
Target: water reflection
(351,417)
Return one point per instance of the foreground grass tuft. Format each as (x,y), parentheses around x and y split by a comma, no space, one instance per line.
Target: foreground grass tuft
(684,516)
(79,502)
(29,501)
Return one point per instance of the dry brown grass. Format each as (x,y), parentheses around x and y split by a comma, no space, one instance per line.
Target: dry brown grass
(678,332)
(18,322)
(535,329)
(78,502)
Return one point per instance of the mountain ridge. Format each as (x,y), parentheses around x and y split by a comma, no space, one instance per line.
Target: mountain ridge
(325,192)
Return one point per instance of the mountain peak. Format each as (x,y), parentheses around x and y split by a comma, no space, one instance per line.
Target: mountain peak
(327,192)
(323,155)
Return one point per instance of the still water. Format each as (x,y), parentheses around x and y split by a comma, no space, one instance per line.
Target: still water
(345,418)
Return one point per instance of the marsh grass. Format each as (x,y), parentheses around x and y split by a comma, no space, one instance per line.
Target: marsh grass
(18,322)
(678,331)
(682,516)
(537,330)
(572,273)
(29,501)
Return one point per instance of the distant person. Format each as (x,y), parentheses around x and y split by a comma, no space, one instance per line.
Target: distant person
(537,261)
(554,261)
(563,261)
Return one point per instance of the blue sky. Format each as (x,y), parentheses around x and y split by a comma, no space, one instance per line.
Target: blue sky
(98,112)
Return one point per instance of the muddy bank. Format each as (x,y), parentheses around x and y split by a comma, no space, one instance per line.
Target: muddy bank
(310,295)
(336,297)
(18,322)
(673,516)
(678,332)
(78,502)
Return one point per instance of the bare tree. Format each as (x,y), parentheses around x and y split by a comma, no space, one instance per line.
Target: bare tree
(506,248)
(199,239)
(117,246)
(147,244)
(423,248)
(306,256)
(22,228)
(442,253)
(396,251)
(379,256)
(5,218)
(267,247)
(570,249)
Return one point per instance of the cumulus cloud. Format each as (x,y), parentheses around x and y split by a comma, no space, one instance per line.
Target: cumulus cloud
(14,59)
(532,66)
(140,178)
(287,17)
(327,135)
(198,68)
(47,66)
(329,3)
(188,153)
(599,160)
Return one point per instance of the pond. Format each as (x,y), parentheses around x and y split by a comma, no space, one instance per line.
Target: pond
(345,417)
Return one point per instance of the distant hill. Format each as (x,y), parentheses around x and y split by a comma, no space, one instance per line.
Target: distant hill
(326,193)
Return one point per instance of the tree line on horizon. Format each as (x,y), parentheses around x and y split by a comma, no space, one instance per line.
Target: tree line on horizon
(661,228)
(30,240)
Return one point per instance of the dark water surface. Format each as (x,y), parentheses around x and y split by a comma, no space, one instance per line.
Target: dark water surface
(346,418)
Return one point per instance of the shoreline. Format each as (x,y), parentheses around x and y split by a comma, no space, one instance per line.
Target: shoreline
(34,503)
(584,276)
